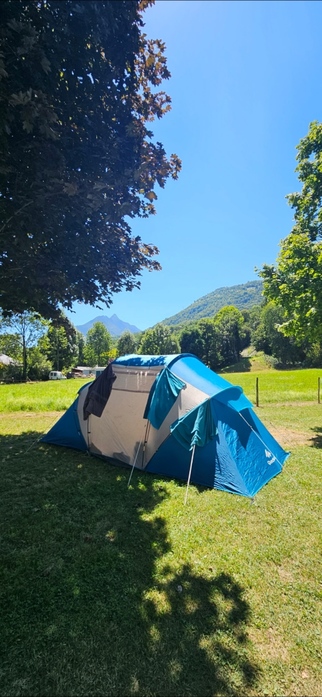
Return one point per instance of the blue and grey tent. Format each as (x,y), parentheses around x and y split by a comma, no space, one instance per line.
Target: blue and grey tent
(173,416)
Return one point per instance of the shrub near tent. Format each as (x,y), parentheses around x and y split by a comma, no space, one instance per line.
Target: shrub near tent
(155,412)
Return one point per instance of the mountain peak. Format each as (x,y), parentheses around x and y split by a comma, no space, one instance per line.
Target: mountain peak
(113,324)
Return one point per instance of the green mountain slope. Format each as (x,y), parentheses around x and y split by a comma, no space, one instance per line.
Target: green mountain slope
(242,296)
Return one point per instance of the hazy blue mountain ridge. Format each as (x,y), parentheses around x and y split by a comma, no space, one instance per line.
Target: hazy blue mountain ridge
(113,324)
(243,296)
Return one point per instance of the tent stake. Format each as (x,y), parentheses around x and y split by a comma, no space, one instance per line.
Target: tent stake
(189,475)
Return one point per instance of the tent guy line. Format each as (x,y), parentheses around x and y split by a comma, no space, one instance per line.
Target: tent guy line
(258,436)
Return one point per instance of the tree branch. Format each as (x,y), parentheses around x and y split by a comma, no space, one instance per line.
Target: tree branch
(16,213)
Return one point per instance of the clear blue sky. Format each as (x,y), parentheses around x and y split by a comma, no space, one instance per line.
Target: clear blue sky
(246,83)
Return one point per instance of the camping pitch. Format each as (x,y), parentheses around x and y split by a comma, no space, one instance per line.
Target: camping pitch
(173,416)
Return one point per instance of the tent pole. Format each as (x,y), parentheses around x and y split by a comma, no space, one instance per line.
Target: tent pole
(88,432)
(143,442)
(189,475)
(147,432)
(134,462)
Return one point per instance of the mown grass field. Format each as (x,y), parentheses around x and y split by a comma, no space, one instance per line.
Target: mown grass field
(109,590)
(280,387)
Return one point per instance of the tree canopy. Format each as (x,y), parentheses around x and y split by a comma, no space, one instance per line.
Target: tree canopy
(98,344)
(27,328)
(267,337)
(61,343)
(126,343)
(295,282)
(158,339)
(229,323)
(79,85)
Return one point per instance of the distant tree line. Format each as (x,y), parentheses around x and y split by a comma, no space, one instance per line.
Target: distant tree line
(38,346)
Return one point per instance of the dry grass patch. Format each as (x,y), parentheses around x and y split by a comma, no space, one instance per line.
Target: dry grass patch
(289,438)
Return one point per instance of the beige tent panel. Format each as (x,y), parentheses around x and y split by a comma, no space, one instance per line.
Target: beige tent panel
(121,427)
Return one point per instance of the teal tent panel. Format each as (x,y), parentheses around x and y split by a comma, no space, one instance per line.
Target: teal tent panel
(213,465)
(143,361)
(170,460)
(162,397)
(227,476)
(233,399)
(67,431)
(197,427)
(256,454)
(194,372)
(173,460)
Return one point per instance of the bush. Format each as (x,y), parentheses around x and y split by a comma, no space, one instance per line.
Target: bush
(272,361)
(38,365)
(10,373)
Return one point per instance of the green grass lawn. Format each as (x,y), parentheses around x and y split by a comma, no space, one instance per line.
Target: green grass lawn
(274,387)
(113,591)
(279,386)
(52,395)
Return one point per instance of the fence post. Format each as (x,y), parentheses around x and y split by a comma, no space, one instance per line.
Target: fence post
(257,393)
(319,390)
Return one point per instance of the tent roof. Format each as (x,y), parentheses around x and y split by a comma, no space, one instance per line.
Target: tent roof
(147,361)
(191,369)
(7,360)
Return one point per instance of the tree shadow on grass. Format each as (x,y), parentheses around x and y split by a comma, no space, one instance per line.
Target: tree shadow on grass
(199,635)
(316,441)
(87,610)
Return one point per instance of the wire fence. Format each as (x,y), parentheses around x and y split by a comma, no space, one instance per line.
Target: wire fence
(315,393)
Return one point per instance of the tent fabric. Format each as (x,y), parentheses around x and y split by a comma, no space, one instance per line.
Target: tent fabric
(162,397)
(158,409)
(7,360)
(98,393)
(192,370)
(147,361)
(195,428)
(246,452)
(67,431)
